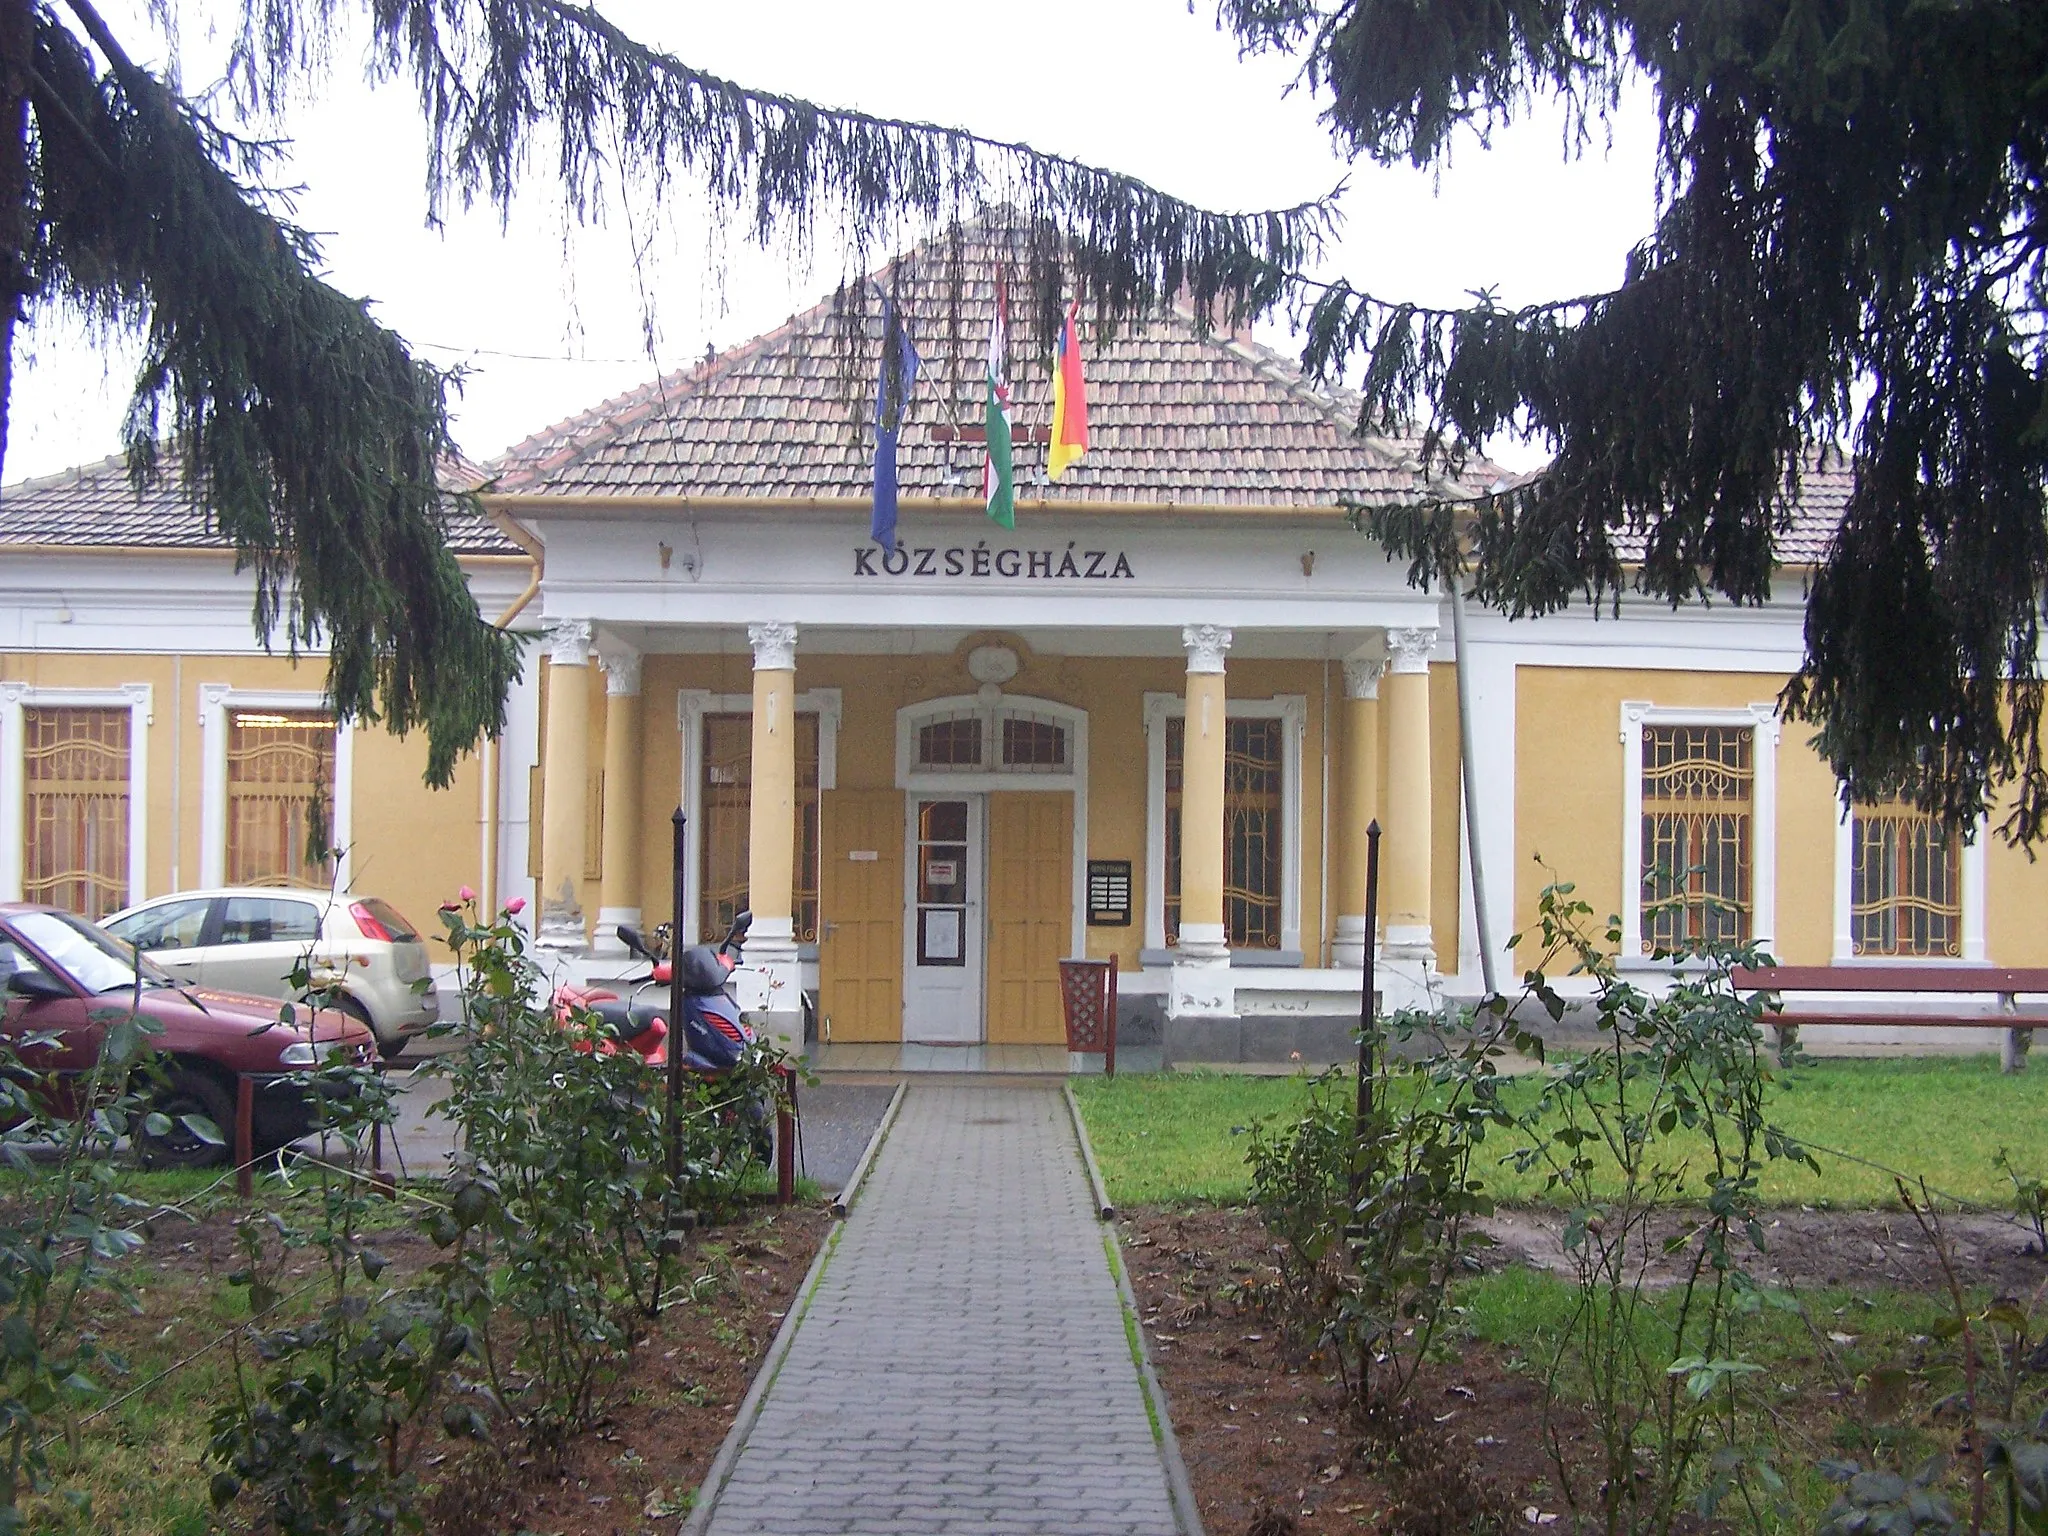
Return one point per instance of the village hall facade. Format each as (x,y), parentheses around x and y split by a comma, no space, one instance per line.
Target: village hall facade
(1153,720)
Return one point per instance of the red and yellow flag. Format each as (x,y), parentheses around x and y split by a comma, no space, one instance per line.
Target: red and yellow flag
(1069,402)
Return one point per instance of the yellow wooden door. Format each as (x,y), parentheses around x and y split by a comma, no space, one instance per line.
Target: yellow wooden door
(1030,914)
(860,916)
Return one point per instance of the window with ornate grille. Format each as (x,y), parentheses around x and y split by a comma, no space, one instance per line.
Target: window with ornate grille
(280,776)
(954,743)
(1905,883)
(1033,744)
(724,807)
(75,764)
(1253,769)
(1698,821)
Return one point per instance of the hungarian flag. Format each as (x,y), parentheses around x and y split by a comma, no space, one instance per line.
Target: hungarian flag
(1069,401)
(996,480)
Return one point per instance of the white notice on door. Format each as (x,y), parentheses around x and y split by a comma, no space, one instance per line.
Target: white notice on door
(942,871)
(864,855)
(942,934)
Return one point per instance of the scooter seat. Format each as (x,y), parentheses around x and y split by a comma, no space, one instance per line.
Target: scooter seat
(627,1021)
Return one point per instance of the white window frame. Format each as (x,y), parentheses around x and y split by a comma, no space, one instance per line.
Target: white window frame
(692,705)
(215,702)
(1973,877)
(913,717)
(1762,720)
(15,699)
(1289,708)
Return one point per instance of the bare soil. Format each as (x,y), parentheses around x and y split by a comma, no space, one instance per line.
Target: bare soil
(1263,1430)
(636,1470)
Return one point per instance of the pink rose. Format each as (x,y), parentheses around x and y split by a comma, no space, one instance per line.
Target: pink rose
(465,894)
(516,905)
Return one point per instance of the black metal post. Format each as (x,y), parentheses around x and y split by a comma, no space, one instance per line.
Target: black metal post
(675,1034)
(1368,1015)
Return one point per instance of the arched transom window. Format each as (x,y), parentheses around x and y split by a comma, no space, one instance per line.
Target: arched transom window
(1003,738)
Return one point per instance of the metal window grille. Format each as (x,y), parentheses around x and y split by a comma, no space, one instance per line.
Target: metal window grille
(1698,784)
(1252,830)
(725,806)
(75,765)
(1905,883)
(280,775)
(1033,743)
(950,744)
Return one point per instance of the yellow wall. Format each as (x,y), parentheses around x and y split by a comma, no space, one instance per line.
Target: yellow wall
(412,846)
(1111,690)
(1569,796)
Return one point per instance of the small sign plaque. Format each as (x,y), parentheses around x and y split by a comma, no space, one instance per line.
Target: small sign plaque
(864,855)
(1109,893)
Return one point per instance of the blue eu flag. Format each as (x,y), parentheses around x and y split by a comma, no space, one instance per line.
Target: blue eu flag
(892,398)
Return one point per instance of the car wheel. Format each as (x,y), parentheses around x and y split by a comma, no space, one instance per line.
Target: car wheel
(388,1049)
(189,1091)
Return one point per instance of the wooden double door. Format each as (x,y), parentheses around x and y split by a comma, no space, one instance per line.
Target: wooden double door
(943,917)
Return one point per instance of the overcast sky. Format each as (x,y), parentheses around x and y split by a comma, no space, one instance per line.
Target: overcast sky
(549,321)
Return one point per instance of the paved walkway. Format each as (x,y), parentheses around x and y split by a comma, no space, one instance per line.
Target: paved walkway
(963,1365)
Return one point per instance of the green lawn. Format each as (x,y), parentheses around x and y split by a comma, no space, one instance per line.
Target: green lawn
(1176,1138)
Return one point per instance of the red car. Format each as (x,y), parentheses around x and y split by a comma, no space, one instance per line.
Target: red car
(60,975)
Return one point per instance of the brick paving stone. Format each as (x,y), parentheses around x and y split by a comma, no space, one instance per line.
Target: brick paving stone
(963,1364)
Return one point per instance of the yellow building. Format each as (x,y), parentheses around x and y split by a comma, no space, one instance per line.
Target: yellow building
(1152,721)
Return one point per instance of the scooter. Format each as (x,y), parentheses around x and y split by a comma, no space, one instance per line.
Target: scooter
(714,1035)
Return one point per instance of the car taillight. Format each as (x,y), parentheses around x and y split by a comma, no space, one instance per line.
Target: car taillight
(367,924)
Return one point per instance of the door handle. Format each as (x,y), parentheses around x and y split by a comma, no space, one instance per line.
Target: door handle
(826,930)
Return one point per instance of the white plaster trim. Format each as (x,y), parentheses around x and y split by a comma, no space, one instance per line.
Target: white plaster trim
(1974,920)
(692,705)
(215,700)
(1762,719)
(1161,707)
(913,780)
(16,697)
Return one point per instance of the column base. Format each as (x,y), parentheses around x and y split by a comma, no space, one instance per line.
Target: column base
(1200,984)
(771,985)
(1347,945)
(1410,941)
(561,923)
(606,940)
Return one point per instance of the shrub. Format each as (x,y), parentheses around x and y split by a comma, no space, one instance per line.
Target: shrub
(65,1229)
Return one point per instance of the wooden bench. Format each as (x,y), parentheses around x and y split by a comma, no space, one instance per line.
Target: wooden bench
(1855,985)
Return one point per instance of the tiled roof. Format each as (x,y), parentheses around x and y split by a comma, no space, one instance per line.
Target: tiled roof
(1803,527)
(96,507)
(1173,416)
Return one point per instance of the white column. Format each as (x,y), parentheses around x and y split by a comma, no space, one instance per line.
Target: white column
(1201,985)
(771,831)
(565,772)
(1358,802)
(619,877)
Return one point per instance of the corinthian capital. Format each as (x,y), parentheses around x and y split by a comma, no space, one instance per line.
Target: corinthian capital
(568,642)
(1362,678)
(774,646)
(1409,649)
(1205,644)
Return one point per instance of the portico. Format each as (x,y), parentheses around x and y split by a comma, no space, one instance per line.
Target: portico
(926,813)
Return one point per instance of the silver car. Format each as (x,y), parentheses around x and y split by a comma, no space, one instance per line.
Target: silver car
(252,939)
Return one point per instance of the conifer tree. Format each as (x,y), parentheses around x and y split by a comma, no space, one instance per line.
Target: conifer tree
(1849,249)
(310,433)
